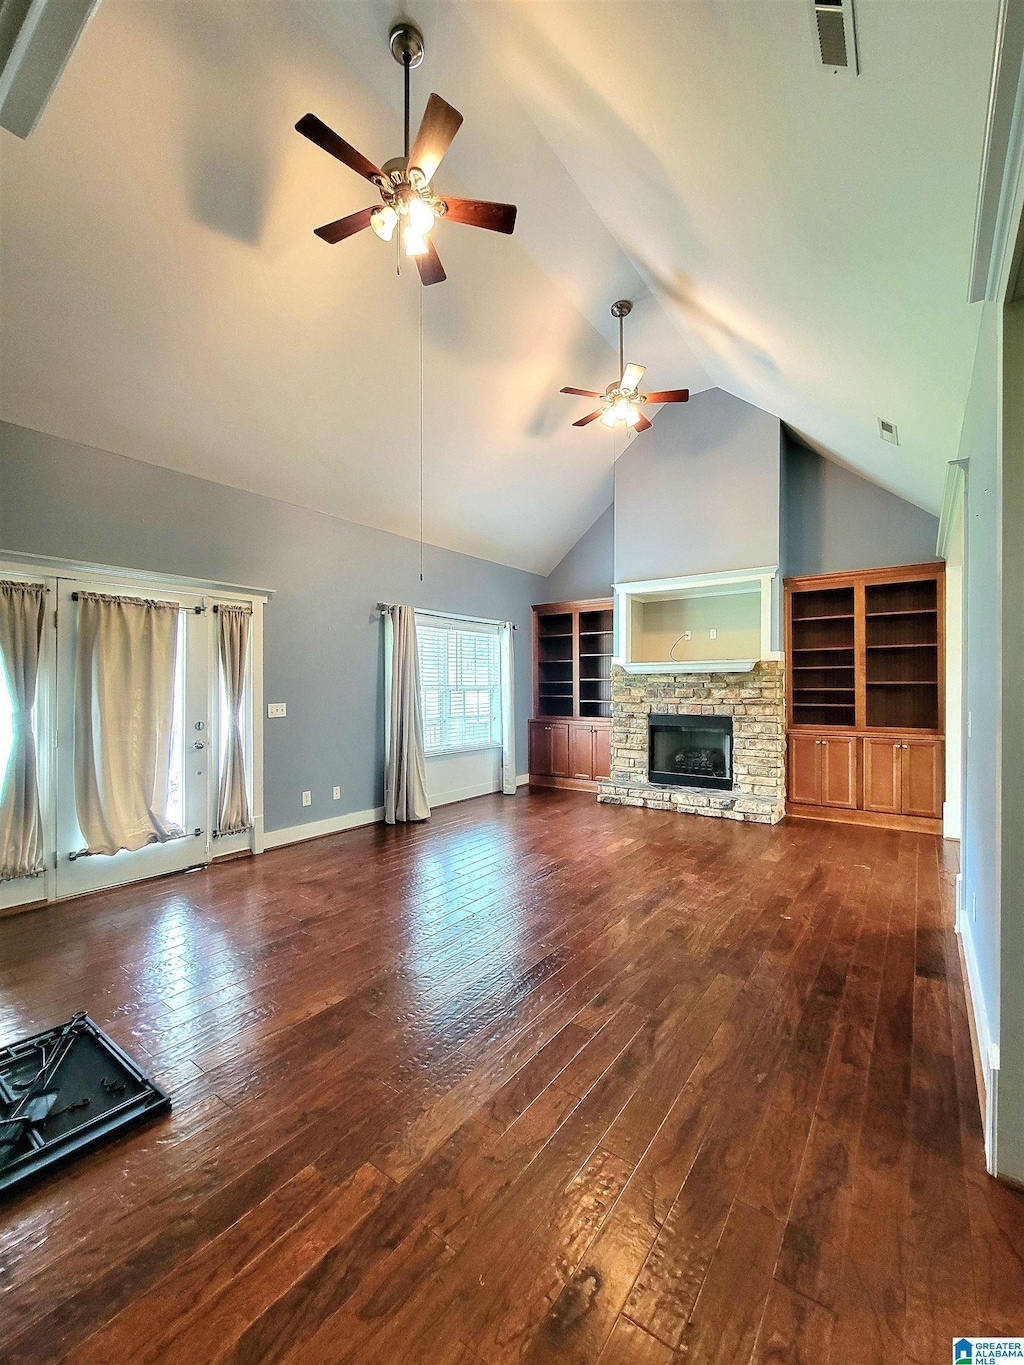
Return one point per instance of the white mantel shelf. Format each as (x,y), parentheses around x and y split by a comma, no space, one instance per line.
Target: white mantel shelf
(693,666)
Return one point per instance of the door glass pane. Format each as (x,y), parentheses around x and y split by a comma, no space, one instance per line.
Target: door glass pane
(6,725)
(226,720)
(175,785)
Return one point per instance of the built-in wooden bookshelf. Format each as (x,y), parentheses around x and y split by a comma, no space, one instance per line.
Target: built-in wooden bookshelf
(570,735)
(865,695)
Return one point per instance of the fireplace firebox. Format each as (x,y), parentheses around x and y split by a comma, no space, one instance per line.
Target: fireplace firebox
(690,751)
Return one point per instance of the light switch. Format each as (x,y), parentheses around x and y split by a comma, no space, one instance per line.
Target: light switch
(275,709)
(307,798)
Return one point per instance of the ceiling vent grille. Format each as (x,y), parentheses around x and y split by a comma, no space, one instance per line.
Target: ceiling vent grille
(835,39)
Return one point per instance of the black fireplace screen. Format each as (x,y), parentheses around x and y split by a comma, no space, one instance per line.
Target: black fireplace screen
(690,751)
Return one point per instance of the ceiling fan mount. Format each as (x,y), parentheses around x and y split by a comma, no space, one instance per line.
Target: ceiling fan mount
(409,206)
(406,40)
(622,399)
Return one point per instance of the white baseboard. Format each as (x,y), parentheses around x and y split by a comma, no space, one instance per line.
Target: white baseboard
(295,834)
(476,789)
(274,838)
(987,1049)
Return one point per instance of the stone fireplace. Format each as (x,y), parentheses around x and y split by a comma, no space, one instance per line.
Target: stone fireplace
(703,743)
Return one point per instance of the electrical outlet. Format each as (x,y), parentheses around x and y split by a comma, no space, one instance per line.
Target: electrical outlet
(337,793)
(687,634)
(276,709)
(307,798)
(714,635)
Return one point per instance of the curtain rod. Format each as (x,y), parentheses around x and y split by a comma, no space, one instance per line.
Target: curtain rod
(451,616)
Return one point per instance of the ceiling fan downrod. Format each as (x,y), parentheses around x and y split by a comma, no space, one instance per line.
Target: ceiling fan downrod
(407,49)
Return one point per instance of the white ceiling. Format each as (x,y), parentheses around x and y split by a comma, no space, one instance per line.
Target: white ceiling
(801,240)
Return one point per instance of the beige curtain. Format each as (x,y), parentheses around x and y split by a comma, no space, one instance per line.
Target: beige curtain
(124,703)
(405,774)
(22,609)
(233,808)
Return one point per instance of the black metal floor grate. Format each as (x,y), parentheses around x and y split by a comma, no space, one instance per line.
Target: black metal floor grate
(63,1092)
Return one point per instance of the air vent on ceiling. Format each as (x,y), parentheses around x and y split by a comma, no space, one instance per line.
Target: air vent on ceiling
(888,432)
(835,38)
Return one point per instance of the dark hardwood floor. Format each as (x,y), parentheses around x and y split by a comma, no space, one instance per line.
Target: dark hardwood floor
(538,1081)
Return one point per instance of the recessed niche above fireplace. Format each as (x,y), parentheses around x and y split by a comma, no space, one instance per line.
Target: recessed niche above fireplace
(712,623)
(690,751)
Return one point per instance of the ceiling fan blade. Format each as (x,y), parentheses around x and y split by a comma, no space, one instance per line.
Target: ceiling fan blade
(482,213)
(345,227)
(429,265)
(668,396)
(642,423)
(582,393)
(589,418)
(317,131)
(631,376)
(438,126)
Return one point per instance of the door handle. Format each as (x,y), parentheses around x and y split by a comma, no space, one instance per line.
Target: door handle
(199,744)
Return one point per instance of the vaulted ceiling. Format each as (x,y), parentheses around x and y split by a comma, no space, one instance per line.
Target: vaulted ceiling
(800,239)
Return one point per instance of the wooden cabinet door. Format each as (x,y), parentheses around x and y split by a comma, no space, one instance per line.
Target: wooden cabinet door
(839,772)
(602,751)
(921,777)
(558,748)
(805,769)
(581,751)
(882,771)
(540,748)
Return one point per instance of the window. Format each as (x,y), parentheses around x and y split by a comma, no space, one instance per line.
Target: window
(460,679)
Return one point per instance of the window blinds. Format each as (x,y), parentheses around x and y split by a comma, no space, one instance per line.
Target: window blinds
(460,681)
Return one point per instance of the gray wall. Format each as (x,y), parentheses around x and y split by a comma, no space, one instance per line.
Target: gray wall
(700,492)
(587,570)
(322,644)
(835,520)
(831,520)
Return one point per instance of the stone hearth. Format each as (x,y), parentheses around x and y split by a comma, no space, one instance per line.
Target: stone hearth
(755,700)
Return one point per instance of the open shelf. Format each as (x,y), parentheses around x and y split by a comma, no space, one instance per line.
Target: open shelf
(878,645)
(572,661)
(822,632)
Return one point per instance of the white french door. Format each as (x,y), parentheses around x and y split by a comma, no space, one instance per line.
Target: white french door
(201,719)
(193,762)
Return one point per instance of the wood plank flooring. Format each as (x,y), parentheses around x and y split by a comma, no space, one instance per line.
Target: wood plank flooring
(539,1081)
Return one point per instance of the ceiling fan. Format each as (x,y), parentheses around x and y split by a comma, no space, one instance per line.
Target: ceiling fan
(621,401)
(408,200)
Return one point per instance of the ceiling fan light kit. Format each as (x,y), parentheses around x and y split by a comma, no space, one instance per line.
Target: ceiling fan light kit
(409,205)
(621,401)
